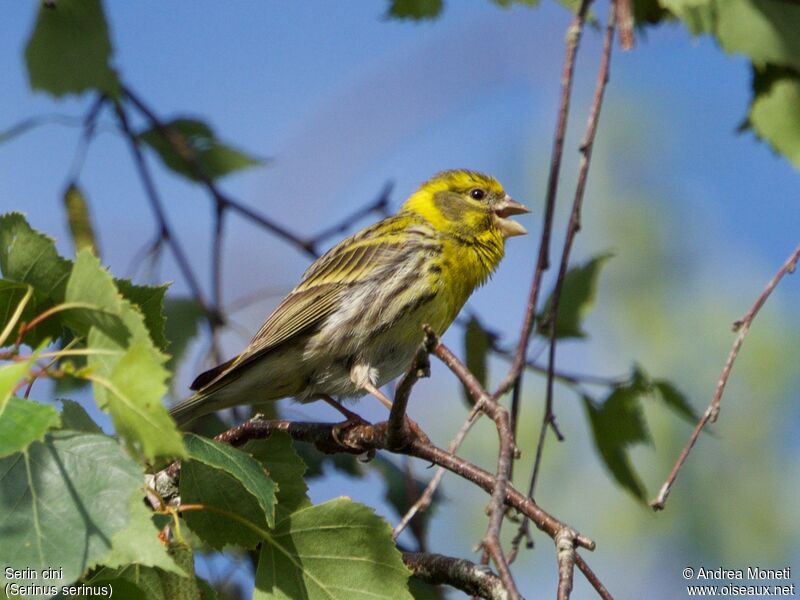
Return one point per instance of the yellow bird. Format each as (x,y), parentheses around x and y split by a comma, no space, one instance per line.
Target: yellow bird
(355,320)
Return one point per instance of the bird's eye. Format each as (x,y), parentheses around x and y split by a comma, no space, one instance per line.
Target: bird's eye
(478,194)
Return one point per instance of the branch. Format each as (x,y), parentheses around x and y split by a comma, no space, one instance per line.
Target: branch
(472,579)
(398,432)
(543,260)
(742,326)
(155,203)
(572,229)
(565,554)
(423,502)
(491,540)
(186,153)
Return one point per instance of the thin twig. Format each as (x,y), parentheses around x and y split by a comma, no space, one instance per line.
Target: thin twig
(380,205)
(592,578)
(572,229)
(548,418)
(543,260)
(742,326)
(424,501)
(161,218)
(186,153)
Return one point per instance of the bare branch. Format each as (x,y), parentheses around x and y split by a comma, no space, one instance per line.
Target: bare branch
(461,574)
(565,554)
(574,225)
(423,502)
(712,412)
(161,218)
(543,260)
(592,578)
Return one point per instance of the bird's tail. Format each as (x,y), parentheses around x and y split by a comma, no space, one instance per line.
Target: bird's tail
(191,408)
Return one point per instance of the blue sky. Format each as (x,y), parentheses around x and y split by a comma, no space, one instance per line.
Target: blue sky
(342,100)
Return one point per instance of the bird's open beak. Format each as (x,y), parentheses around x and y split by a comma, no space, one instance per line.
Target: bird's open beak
(505,208)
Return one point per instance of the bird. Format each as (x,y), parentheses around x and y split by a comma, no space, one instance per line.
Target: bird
(355,320)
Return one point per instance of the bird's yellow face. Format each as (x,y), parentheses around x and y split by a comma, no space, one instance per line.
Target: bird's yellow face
(467,204)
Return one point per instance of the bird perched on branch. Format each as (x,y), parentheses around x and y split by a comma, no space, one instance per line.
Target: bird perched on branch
(355,320)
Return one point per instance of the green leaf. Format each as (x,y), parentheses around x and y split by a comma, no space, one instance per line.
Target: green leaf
(74,417)
(241,518)
(132,393)
(183,316)
(415,9)
(675,400)
(149,299)
(29,257)
(78,219)
(763,30)
(24,422)
(197,139)
(69,51)
(12,294)
(10,376)
(61,502)
(577,297)
(339,550)
(138,543)
(509,3)
(617,424)
(775,110)
(80,317)
(129,381)
(277,454)
(477,343)
(247,470)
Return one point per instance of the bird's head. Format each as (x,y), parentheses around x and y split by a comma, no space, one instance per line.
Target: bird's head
(466,203)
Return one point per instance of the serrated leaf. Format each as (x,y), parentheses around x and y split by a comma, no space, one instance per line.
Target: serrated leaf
(138,543)
(339,550)
(182,318)
(477,343)
(29,257)
(23,422)
(149,299)
(246,469)
(69,50)
(60,502)
(73,416)
(197,139)
(415,9)
(79,220)
(80,317)
(616,424)
(775,110)
(577,297)
(132,394)
(285,467)
(128,381)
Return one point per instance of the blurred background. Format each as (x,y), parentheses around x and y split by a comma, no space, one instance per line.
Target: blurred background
(341,100)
